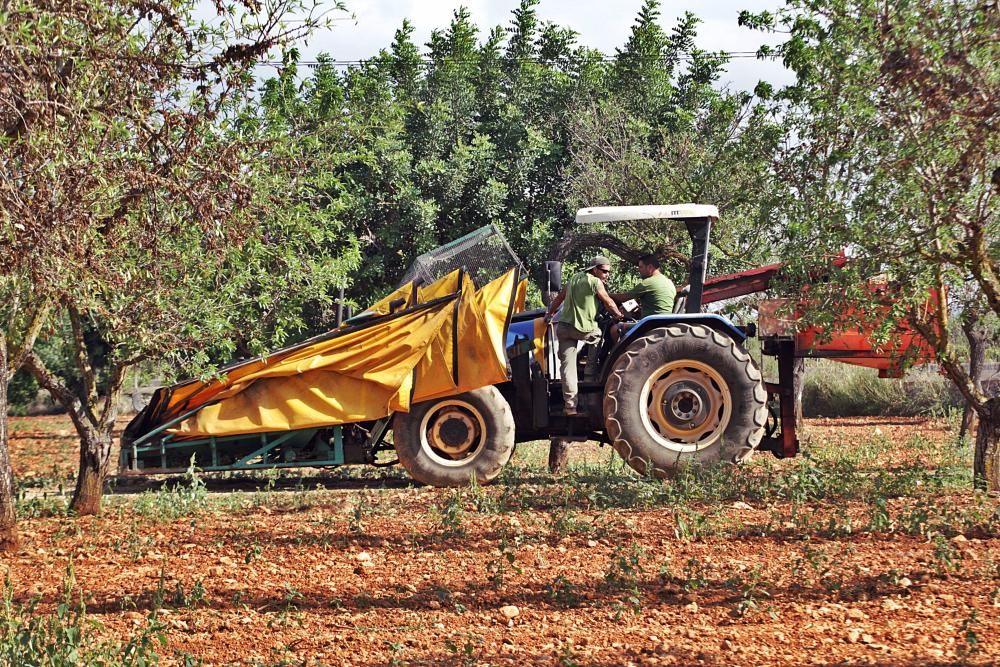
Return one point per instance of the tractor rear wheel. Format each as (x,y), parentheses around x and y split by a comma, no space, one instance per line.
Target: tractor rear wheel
(448,441)
(682,395)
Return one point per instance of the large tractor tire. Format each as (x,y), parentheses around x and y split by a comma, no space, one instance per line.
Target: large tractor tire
(683,395)
(448,441)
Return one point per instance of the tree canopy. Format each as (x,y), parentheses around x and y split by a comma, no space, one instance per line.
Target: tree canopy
(139,210)
(519,126)
(895,115)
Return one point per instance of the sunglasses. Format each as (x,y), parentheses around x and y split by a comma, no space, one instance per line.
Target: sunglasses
(606,272)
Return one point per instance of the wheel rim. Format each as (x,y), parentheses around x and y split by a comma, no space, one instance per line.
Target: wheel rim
(452,433)
(685,405)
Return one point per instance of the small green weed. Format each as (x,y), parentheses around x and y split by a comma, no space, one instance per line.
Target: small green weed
(68,636)
(505,563)
(467,649)
(192,598)
(563,592)
(361,509)
(753,591)
(968,638)
(623,575)
(947,558)
(450,515)
(188,498)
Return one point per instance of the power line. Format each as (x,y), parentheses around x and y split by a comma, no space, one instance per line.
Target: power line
(728,55)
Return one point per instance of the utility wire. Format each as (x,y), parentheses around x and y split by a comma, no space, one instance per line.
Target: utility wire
(728,55)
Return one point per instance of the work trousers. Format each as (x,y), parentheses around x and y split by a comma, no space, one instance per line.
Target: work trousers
(569,338)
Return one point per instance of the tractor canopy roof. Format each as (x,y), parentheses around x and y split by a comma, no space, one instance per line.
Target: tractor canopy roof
(626,213)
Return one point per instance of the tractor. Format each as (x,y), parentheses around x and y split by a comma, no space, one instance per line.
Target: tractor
(676,390)
(449,374)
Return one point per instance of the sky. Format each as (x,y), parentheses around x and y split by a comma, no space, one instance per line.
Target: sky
(369,25)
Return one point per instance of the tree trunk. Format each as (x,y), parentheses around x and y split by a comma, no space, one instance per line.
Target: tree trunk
(798,384)
(94,426)
(8,513)
(95,458)
(977,356)
(986,466)
(558,455)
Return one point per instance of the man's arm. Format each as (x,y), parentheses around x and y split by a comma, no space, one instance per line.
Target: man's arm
(633,293)
(554,306)
(609,302)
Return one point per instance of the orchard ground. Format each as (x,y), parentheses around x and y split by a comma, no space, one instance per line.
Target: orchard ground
(871,548)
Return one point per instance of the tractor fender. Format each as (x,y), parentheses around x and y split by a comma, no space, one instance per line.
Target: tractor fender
(647,324)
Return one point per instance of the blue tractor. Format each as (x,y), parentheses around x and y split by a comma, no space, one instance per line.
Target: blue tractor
(677,389)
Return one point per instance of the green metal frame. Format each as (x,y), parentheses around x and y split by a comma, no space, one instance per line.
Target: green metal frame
(266,441)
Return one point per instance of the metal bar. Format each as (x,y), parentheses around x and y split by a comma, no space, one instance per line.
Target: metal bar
(843,354)
(338,316)
(338,444)
(378,431)
(265,448)
(454,328)
(786,378)
(172,422)
(249,466)
(699,231)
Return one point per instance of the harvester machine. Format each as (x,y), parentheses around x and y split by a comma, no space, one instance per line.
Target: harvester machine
(449,372)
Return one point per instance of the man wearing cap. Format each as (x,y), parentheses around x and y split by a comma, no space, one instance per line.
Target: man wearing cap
(654,291)
(578,320)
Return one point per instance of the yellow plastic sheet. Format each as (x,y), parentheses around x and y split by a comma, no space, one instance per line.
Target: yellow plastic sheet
(444,349)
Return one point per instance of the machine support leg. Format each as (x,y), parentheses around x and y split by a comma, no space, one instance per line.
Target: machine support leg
(786,382)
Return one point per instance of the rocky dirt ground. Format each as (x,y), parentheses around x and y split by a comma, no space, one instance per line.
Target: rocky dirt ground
(871,549)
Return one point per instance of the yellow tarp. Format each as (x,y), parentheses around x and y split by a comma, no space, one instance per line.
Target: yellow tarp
(443,349)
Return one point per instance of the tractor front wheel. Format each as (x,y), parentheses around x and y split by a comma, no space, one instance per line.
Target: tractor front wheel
(448,441)
(681,395)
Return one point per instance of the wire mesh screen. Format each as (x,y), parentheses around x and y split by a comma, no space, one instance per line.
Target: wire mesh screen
(483,254)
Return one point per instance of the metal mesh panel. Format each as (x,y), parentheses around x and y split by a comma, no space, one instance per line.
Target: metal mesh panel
(484,254)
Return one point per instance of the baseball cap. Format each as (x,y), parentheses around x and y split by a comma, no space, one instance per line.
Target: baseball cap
(599,260)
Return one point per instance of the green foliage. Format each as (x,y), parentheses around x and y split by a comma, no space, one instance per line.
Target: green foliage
(624,575)
(969,638)
(139,211)
(832,389)
(504,564)
(753,592)
(419,148)
(894,108)
(626,568)
(185,499)
(21,392)
(67,637)
(562,591)
(450,515)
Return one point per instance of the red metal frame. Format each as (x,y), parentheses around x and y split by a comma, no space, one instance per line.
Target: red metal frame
(848,346)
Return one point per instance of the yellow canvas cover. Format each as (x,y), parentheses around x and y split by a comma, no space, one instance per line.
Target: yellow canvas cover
(451,342)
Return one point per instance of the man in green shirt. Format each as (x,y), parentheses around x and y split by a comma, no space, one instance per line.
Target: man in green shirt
(654,292)
(578,320)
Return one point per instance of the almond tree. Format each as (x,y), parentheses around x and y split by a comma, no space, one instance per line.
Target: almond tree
(896,114)
(138,206)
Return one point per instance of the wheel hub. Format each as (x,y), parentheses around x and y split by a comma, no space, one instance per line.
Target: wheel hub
(453,432)
(685,404)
